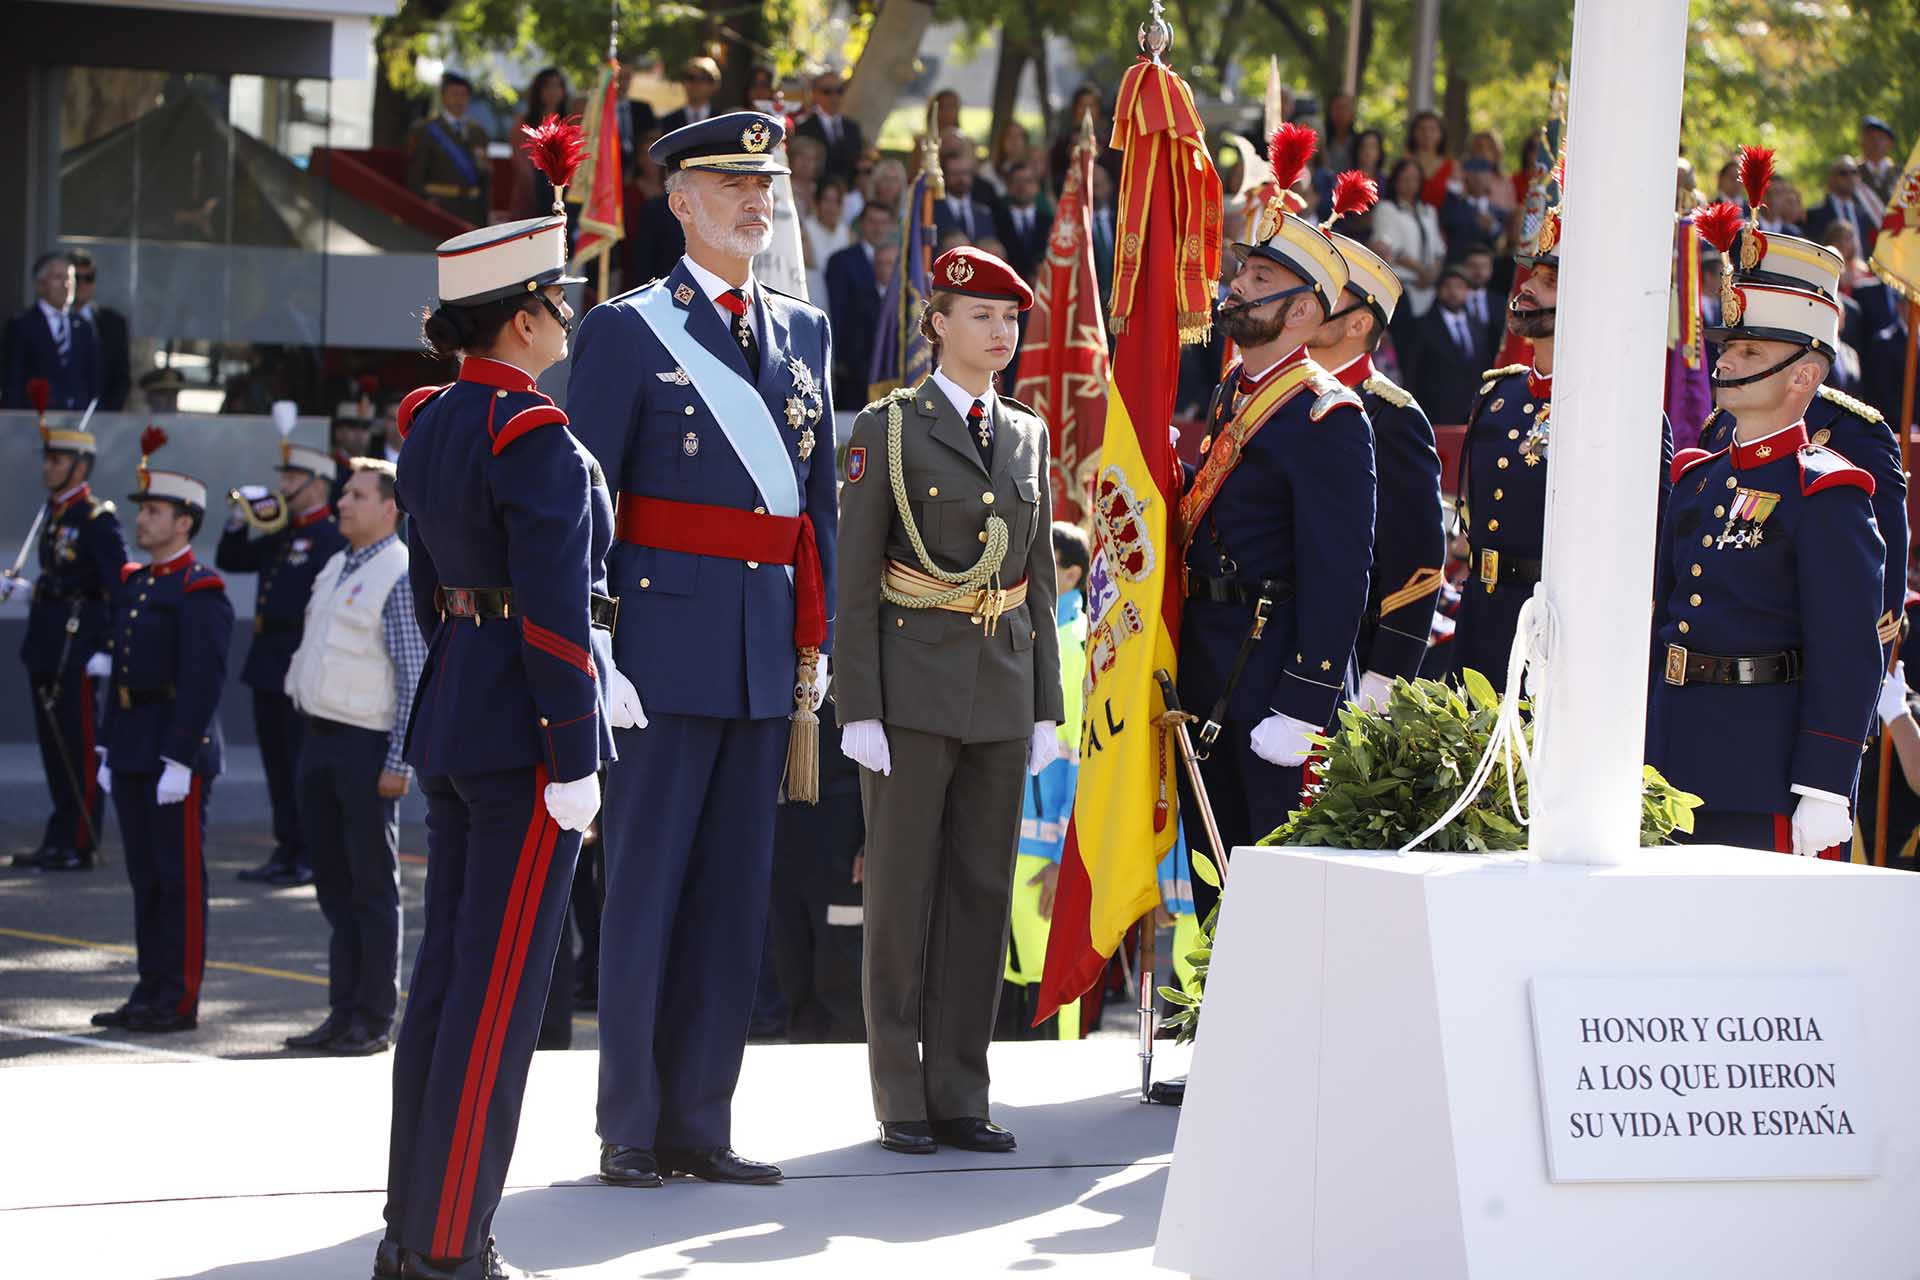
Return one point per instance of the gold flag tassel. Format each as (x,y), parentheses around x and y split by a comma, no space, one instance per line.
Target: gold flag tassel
(803,738)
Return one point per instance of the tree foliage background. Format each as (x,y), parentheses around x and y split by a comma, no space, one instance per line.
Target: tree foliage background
(1794,74)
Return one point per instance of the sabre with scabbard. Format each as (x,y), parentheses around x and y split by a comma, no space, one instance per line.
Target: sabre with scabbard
(37,389)
(1175,720)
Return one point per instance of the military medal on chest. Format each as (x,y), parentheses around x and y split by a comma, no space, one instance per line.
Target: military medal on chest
(1745,515)
(1533,449)
(805,405)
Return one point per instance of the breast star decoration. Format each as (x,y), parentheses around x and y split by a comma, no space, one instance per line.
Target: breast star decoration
(805,405)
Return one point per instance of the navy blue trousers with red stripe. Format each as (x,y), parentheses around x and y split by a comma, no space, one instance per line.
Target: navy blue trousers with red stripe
(1744,830)
(164,847)
(75,821)
(498,871)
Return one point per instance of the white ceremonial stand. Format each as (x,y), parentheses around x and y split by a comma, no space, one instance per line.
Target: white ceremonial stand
(1399,1050)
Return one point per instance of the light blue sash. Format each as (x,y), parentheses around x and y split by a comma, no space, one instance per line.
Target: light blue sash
(732,401)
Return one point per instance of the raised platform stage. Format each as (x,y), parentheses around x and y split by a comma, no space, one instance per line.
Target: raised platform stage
(250,1170)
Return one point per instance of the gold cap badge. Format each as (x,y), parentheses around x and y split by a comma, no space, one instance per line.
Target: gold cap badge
(959,271)
(757,137)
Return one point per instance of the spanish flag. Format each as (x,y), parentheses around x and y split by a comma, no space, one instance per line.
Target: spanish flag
(1167,257)
(1896,252)
(596,187)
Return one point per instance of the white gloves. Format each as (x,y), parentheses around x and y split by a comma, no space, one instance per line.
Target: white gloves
(865,743)
(1045,748)
(1282,740)
(1374,688)
(1820,822)
(175,781)
(10,583)
(100,664)
(573,804)
(1893,694)
(820,678)
(105,776)
(623,707)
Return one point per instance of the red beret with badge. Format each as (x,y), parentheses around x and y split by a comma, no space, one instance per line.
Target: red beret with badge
(976,273)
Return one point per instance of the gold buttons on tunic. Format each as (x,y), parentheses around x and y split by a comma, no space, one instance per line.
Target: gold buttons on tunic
(933,491)
(1526,408)
(1732,483)
(1718,512)
(983,535)
(688,411)
(1684,628)
(502,395)
(1493,526)
(1514,434)
(1696,571)
(1498,494)
(987,497)
(1707,541)
(1694,599)
(133,613)
(645,583)
(899,622)
(974,619)
(543,719)
(1504,463)
(753,564)
(759,511)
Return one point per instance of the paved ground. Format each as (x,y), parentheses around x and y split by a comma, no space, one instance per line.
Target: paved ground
(66,952)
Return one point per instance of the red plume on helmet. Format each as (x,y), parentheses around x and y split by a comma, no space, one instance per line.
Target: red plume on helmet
(1756,171)
(1719,223)
(556,148)
(39,390)
(1288,151)
(151,442)
(1353,192)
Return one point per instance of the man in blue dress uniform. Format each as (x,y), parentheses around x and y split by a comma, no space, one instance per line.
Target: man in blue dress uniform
(1851,428)
(298,539)
(1409,537)
(160,742)
(1766,662)
(705,396)
(1278,525)
(510,528)
(80,550)
(1503,476)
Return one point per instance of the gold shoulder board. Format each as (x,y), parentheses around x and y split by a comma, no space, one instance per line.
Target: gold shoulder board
(1858,408)
(1384,387)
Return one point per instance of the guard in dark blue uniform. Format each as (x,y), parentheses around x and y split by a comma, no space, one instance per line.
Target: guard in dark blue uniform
(1766,658)
(1855,430)
(80,550)
(297,536)
(705,397)
(1278,527)
(1503,473)
(160,742)
(1409,537)
(510,529)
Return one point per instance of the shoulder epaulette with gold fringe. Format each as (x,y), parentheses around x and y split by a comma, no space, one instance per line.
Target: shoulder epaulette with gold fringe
(1387,389)
(1858,408)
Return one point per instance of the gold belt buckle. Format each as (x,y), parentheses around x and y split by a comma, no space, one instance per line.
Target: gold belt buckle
(1490,567)
(126,699)
(1676,664)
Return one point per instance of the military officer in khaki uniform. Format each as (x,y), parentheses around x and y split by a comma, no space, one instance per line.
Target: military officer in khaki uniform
(948,685)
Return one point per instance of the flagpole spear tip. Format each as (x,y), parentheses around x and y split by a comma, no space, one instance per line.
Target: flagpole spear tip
(1156,37)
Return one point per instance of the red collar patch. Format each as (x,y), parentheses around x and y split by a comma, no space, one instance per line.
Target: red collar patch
(73,499)
(494,373)
(1781,444)
(179,564)
(1357,372)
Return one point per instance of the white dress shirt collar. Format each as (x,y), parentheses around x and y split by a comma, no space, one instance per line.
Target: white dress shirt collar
(962,398)
(713,286)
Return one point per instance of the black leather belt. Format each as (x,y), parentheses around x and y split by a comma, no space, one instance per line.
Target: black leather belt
(54,595)
(278,626)
(1497,570)
(1234,591)
(131,698)
(1687,667)
(494,603)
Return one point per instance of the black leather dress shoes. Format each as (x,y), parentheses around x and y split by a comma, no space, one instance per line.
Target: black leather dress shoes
(120,1017)
(66,860)
(717,1164)
(973,1134)
(359,1042)
(158,1021)
(908,1137)
(313,1039)
(487,1265)
(628,1166)
(1168,1093)
(388,1261)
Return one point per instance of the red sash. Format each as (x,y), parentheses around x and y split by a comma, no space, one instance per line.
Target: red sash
(733,534)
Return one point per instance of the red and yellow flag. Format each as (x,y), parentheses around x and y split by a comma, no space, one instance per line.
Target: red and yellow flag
(1896,253)
(596,187)
(1167,254)
(1063,362)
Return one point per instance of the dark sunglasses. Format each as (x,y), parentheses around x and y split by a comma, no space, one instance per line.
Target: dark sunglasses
(84,277)
(833,92)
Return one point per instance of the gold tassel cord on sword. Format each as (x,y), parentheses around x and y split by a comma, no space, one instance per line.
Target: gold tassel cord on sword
(803,735)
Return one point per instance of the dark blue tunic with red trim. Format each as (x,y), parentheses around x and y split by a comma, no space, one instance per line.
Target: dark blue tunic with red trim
(80,552)
(171,627)
(501,495)
(1768,547)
